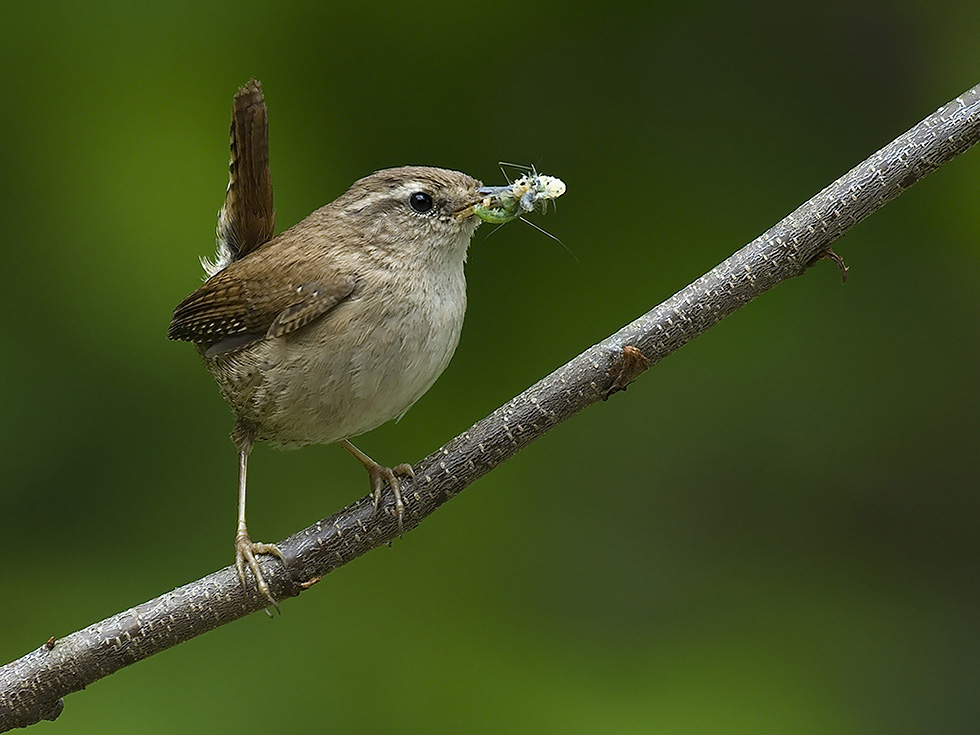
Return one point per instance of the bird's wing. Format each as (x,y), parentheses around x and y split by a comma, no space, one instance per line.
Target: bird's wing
(246,302)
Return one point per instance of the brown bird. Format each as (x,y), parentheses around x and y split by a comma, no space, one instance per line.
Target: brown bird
(338,324)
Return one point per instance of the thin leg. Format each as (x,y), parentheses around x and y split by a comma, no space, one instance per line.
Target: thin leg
(245,548)
(380,475)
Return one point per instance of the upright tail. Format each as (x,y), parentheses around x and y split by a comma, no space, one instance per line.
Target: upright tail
(247,218)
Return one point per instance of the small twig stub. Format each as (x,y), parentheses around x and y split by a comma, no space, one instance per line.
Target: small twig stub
(627,368)
(829,254)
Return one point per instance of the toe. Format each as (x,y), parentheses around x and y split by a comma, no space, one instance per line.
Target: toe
(245,551)
(260,548)
(377,485)
(381,476)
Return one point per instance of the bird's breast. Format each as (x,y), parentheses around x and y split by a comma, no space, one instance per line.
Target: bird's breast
(363,364)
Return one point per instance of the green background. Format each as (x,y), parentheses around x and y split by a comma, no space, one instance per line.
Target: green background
(775,530)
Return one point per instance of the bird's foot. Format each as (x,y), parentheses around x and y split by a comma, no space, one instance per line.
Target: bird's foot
(381,476)
(245,551)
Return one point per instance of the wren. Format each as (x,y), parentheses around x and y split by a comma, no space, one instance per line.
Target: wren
(336,325)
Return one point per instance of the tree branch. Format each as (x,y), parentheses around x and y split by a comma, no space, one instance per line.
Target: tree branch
(31,688)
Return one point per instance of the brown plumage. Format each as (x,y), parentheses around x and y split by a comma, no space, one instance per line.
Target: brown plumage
(248,218)
(338,324)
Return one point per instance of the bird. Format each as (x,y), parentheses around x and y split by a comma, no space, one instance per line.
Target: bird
(338,324)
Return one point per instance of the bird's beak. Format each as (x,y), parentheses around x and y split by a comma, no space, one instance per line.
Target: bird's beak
(487,197)
(466,211)
(492,196)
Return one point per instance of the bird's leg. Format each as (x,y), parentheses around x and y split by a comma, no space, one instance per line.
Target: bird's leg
(245,548)
(380,475)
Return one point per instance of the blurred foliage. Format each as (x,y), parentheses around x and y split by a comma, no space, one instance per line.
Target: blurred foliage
(775,530)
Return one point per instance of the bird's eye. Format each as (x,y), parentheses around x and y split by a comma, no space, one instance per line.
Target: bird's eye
(421,202)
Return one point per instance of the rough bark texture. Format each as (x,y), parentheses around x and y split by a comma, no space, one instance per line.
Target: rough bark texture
(31,688)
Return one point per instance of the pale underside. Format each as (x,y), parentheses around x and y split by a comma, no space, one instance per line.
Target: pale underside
(343,393)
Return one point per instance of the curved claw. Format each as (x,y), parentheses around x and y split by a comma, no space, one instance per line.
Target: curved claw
(380,476)
(245,551)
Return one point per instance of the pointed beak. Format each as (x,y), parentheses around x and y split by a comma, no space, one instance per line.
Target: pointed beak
(493,196)
(467,211)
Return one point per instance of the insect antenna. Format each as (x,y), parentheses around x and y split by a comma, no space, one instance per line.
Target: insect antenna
(519,166)
(498,226)
(553,237)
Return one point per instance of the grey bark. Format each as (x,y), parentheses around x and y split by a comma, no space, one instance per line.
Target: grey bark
(32,687)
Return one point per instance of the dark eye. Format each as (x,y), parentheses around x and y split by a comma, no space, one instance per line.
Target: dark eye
(421,202)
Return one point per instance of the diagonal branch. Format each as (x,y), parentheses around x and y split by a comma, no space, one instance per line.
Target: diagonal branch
(31,688)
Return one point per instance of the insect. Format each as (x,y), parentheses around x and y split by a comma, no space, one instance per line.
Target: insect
(529,193)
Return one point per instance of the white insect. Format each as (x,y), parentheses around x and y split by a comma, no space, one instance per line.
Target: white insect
(531,192)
